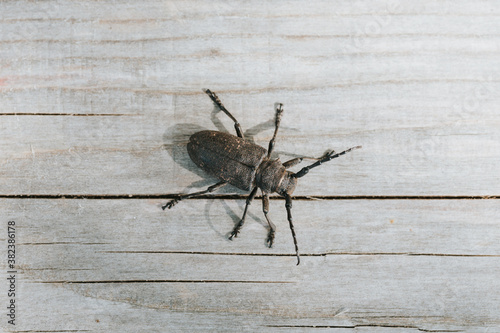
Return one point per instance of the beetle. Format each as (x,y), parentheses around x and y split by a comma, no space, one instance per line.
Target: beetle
(248,166)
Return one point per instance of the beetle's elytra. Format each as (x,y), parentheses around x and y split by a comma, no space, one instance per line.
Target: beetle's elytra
(248,166)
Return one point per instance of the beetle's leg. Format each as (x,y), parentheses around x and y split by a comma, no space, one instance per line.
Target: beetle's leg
(238,226)
(279,113)
(288,206)
(272,227)
(217,101)
(212,188)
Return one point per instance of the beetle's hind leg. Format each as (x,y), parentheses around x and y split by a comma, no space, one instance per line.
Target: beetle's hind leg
(217,102)
(211,189)
(272,227)
(238,226)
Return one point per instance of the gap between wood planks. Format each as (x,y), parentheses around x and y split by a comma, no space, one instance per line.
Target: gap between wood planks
(157,281)
(364,325)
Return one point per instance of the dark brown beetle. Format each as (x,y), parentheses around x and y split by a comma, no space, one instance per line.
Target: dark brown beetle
(248,166)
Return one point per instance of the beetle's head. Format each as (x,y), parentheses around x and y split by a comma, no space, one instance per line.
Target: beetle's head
(288,184)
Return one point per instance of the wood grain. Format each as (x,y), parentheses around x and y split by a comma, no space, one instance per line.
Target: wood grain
(99,98)
(402,263)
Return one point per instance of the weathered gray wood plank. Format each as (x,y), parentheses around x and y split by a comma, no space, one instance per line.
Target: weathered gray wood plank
(349,292)
(412,83)
(441,227)
(147,155)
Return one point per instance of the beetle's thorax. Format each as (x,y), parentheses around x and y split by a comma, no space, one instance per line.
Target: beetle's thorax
(272,177)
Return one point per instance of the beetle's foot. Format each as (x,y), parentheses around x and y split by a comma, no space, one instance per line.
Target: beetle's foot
(234,233)
(279,108)
(270,238)
(236,230)
(170,204)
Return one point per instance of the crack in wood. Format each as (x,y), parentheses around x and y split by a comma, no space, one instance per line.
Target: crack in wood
(364,325)
(158,281)
(324,254)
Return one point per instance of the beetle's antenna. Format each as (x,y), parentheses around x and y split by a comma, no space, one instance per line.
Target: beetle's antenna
(326,158)
(288,206)
(279,113)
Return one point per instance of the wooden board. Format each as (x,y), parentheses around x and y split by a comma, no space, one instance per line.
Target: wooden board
(99,98)
(423,264)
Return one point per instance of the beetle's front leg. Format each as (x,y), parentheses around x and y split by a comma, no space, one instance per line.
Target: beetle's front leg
(238,226)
